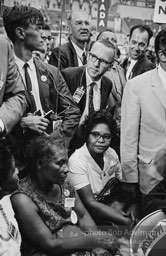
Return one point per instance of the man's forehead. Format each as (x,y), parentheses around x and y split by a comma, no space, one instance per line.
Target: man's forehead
(80,16)
(137,33)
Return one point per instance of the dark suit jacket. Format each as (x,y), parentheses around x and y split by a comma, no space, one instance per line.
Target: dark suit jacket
(141,66)
(12,93)
(55,95)
(76,77)
(68,56)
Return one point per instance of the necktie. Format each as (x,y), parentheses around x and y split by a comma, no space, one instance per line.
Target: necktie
(83,58)
(91,107)
(29,88)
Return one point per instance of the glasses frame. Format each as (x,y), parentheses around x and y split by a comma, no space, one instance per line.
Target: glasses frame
(102,62)
(98,136)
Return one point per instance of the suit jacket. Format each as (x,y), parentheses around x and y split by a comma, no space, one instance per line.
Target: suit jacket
(117,77)
(76,77)
(55,95)
(141,66)
(143,132)
(12,93)
(68,56)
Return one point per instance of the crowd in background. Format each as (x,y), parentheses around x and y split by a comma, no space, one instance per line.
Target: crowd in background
(82,148)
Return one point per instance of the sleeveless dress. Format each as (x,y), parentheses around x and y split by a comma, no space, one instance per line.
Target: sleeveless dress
(55,216)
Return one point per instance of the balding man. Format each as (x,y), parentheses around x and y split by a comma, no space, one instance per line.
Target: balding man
(73,54)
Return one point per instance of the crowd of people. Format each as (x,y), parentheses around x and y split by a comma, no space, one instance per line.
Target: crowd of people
(82,147)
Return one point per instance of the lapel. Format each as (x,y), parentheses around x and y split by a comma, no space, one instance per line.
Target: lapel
(82,102)
(73,55)
(104,92)
(43,83)
(157,88)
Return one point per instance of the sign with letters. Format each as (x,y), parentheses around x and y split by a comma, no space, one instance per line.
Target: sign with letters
(103,6)
(160,11)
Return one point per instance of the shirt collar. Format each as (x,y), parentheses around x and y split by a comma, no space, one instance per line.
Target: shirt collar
(78,50)
(89,79)
(20,63)
(162,73)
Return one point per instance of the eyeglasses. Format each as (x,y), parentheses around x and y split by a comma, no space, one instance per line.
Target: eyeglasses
(102,62)
(97,136)
(49,38)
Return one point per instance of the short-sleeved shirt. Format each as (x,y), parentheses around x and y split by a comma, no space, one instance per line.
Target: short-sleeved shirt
(85,171)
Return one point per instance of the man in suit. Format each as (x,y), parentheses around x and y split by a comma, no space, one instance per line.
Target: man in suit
(115,73)
(143,133)
(48,91)
(137,63)
(79,79)
(73,53)
(88,85)
(12,93)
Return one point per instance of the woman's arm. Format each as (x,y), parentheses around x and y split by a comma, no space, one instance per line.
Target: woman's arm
(101,211)
(36,232)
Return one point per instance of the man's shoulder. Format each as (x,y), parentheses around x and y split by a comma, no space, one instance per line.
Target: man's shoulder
(143,77)
(65,48)
(73,71)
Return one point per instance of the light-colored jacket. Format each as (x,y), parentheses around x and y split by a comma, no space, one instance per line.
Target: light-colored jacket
(143,131)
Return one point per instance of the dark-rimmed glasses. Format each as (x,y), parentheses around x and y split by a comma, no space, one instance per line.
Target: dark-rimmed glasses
(102,62)
(105,137)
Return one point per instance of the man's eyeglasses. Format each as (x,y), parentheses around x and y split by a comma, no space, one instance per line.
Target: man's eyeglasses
(105,137)
(49,38)
(102,62)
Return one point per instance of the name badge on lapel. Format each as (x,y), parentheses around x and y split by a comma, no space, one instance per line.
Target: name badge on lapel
(1,81)
(77,96)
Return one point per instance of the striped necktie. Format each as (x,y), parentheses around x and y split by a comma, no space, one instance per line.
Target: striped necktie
(91,106)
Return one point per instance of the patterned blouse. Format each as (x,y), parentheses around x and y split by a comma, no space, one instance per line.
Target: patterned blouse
(55,216)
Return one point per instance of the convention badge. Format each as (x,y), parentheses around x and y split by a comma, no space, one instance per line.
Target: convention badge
(73,217)
(66,192)
(69,202)
(77,96)
(43,78)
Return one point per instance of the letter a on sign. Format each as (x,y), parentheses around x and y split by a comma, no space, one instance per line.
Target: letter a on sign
(160,11)
(103,6)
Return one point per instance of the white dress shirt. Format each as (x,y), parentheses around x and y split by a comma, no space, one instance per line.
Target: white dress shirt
(79,52)
(162,75)
(33,77)
(130,68)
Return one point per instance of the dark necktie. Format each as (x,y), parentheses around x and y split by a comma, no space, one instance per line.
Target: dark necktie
(29,88)
(91,106)
(83,58)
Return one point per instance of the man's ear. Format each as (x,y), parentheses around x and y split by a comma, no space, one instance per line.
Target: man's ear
(20,32)
(69,29)
(162,56)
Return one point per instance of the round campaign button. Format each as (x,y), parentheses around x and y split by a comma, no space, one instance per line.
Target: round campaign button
(66,192)
(43,78)
(73,217)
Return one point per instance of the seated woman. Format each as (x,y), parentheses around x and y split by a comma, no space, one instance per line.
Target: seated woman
(92,165)
(10,238)
(52,219)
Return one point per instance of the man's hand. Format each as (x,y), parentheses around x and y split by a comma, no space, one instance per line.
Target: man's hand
(133,213)
(35,123)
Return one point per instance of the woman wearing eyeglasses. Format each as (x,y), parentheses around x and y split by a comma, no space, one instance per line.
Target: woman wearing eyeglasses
(93,165)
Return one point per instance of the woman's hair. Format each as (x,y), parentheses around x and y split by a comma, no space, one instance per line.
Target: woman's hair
(41,150)
(5,160)
(98,117)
